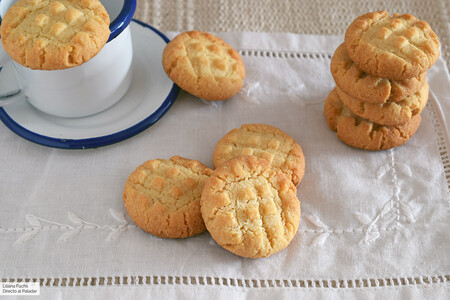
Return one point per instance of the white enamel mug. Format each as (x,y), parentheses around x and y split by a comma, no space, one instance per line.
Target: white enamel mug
(86,89)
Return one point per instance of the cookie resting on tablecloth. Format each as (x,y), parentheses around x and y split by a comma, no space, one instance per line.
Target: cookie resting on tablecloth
(250,208)
(263,141)
(163,197)
(204,65)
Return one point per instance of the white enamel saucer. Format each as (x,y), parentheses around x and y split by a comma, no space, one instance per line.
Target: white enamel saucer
(150,96)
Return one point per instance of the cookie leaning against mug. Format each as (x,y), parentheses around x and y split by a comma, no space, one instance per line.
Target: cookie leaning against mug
(398,47)
(163,197)
(52,35)
(204,65)
(249,208)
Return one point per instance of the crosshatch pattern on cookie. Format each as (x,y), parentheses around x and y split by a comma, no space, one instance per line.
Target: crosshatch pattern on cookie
(398,48)
(50,34)
(249,208)
(264,141)
(163,197)
(204,65)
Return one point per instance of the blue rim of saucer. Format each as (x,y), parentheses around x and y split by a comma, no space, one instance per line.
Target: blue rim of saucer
(123,19)
(101,140)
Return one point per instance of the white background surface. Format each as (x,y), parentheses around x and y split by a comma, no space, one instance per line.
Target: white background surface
(365,215)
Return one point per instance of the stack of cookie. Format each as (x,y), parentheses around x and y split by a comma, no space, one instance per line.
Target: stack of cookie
(380,75)
(248,203)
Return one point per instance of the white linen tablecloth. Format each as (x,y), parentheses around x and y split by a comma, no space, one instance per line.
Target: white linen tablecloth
(374,224)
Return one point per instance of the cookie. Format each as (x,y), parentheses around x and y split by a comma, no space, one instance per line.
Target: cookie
(204,65)
(364,134)
(398,47)
(367,88)
(51,35)
(249,208)
(163,197)
(263,141)
(389,113)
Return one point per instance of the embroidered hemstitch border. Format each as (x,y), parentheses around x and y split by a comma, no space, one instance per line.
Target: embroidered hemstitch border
(164,280)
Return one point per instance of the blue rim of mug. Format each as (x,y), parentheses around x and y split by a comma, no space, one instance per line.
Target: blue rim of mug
(99,141)
(123,19)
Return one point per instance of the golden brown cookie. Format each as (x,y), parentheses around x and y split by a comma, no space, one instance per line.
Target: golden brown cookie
(367,88)
(54,34)
(397,48)
(263,141)
(249,208)
(389,113)
(163,197)
(364,134)
(204,65)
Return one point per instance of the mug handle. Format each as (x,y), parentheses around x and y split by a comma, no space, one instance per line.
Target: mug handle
(10,96)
